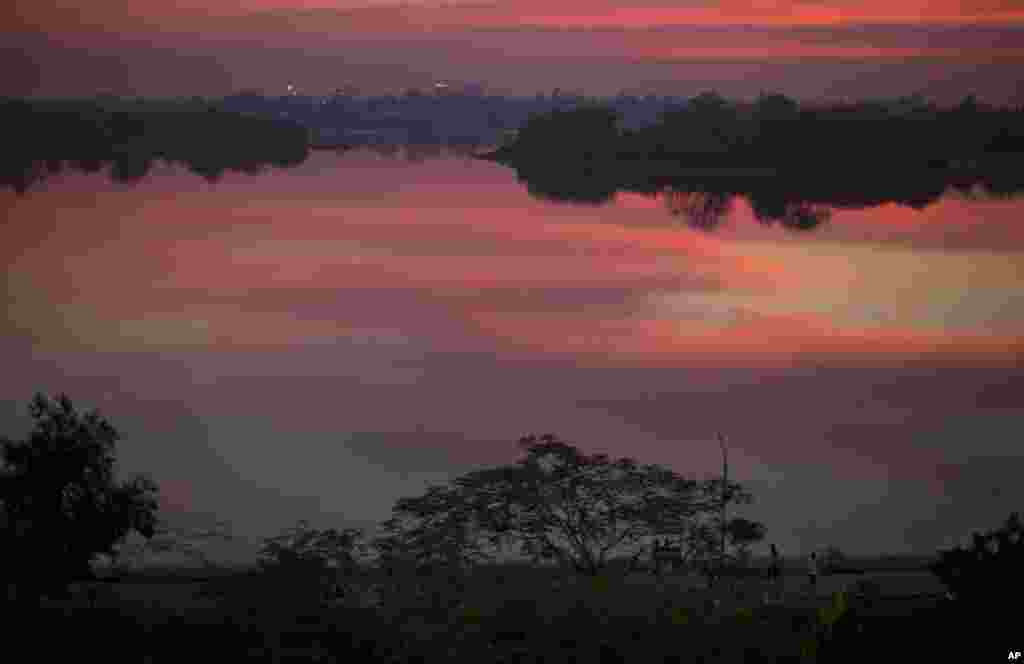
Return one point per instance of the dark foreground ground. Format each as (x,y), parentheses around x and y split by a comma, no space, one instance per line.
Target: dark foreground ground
(519,616)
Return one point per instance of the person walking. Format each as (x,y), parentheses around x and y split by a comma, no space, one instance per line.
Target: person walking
(776,571)
(812,570)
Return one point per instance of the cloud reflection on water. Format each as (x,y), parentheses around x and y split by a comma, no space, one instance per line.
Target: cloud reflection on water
(313,311)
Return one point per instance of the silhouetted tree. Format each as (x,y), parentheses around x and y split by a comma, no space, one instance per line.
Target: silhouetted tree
(437,528)
(792,215)
(191,542)
(314,564)
(129,170)
(987,574)
(730,538)
(45,136)
(61,503)
(586,133)
(577,184)
(741,534)
(775,106)
(776,131)
(774,120)
(582,510)
(703,210)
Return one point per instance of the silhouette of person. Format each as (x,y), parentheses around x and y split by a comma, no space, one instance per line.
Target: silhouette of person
(812,569)
(776,572)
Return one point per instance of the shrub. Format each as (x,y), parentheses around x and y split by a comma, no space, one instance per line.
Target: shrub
(989,570)
(311,564)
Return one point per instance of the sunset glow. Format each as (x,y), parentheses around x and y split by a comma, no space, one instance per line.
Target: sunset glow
(222,47)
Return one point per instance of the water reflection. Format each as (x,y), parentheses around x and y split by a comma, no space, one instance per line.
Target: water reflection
(706,210)
(701,209)
(25,172)
(441,294)
(704,199)
(130,169)
(701,199)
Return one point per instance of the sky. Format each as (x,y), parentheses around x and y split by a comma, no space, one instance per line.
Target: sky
(817,50)
(318,342)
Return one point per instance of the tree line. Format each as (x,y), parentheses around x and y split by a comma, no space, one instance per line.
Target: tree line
(62,505)
(793,163)
(790,200)
(777,131)
(45,137)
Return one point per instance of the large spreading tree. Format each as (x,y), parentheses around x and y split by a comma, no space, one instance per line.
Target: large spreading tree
(60,502)
(557,502)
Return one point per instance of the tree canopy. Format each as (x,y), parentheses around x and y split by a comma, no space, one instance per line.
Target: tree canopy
(558,502)
(988,570)
(305,547)
(46,137)
(313,564)
(61,504)
(771,151)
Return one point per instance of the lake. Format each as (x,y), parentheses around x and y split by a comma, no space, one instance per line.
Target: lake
(317,341)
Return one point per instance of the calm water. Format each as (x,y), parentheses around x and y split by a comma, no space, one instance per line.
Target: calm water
(317,342)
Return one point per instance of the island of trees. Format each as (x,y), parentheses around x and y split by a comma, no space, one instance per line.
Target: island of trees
(786,157)
(45,137)
(776,132)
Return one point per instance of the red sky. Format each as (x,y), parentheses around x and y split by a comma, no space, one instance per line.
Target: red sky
(805,48)
(512,13)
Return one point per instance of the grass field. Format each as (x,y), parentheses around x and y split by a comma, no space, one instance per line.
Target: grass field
(504,614)
(188,589)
